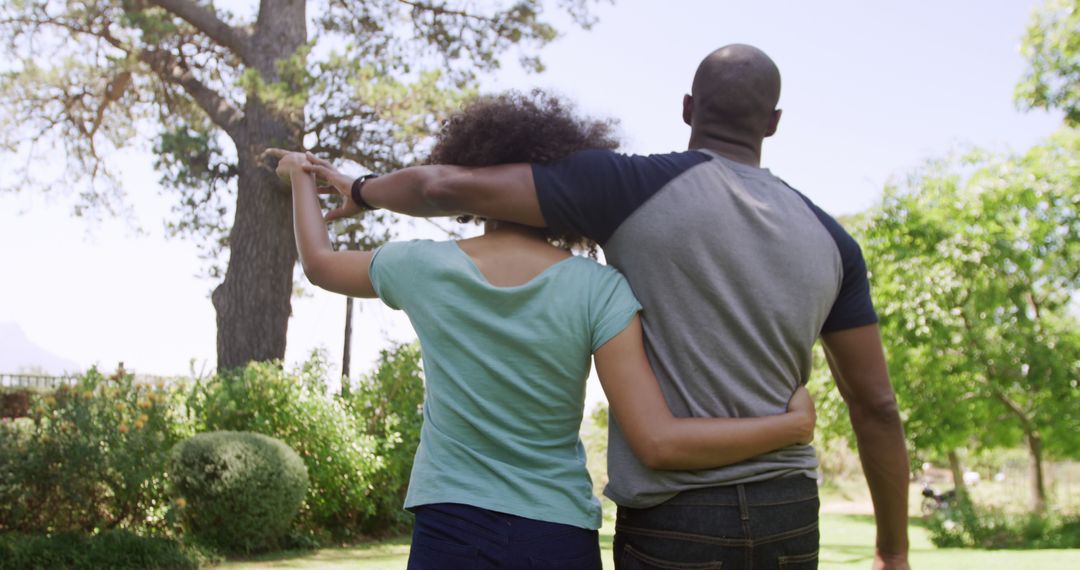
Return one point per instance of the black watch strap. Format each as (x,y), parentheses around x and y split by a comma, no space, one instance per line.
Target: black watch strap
(357,187)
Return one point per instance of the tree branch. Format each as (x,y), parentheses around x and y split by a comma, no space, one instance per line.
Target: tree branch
(219,109)
(1025,419)
(208,23)
(1068,281)
(441,10)
(69,26)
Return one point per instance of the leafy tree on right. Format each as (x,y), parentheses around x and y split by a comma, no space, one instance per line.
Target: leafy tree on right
(1052,49)
(975,265)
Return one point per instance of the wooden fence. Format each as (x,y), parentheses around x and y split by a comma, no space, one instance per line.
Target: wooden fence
(36,381)
(46,382)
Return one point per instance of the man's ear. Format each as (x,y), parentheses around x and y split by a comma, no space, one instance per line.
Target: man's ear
(688,110)
(774,121)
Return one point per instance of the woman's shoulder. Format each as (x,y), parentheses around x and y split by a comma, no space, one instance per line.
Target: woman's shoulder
(412,246)
(594,270)
(590,264)
(415,254)
(414,243)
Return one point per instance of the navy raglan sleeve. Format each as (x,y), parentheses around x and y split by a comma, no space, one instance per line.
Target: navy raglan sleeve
(592,192)
(853,306)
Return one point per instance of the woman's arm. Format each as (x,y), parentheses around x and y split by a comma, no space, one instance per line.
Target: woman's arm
(662,441)
(344,272)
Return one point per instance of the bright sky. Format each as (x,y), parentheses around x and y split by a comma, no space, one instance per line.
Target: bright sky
(871,90)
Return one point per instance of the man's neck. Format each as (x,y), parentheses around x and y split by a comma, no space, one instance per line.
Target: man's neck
(729,149)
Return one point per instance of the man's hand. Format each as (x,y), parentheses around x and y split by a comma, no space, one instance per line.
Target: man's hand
(803,405)
(339,183)
(890,562)
(289,163)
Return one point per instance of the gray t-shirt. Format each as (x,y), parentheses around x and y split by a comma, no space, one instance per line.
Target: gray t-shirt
(738,275)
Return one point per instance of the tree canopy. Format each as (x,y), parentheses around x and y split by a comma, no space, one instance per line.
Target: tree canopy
(1052,49)
(974,267)
(207,88)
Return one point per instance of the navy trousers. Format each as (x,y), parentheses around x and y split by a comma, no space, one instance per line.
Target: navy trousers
(450,536)
(771,524)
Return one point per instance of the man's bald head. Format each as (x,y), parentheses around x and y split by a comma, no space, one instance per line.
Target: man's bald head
(734,95)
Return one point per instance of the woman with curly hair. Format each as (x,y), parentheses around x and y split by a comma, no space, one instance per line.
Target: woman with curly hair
(508,324)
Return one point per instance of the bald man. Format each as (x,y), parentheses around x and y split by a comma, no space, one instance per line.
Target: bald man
(739,275)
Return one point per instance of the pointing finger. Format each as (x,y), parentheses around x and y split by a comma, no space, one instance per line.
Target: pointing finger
(318,160)
(335,214)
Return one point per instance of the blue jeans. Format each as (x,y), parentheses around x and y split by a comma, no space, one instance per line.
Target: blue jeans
(770,524)
(449,536)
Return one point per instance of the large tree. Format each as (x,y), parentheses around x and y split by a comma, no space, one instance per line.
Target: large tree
(209,89)
(974,267)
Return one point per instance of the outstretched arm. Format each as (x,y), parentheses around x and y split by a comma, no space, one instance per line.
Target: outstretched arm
(857,361)
(662,441)
(504,192)
(344,272)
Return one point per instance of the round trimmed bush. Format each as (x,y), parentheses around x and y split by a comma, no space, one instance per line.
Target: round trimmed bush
(237,491)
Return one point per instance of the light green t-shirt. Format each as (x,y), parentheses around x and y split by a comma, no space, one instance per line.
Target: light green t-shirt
(505,375)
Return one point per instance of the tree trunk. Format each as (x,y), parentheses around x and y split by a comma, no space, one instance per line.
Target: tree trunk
(1038,483)
(254,301)
(346,354)
(1035,448)
(957,474)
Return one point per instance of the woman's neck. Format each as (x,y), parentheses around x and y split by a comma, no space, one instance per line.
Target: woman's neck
(510,254)
(497,228)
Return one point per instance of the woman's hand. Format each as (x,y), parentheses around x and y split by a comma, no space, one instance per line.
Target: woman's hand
(339,182)
(289,162)
(801,406)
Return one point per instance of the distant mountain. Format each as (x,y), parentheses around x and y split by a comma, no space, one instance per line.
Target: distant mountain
(18,354)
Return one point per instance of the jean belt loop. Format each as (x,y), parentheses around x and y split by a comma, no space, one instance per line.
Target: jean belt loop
(744,507)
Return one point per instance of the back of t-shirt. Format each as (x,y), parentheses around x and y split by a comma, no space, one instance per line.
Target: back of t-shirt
(738,275)
(505,371)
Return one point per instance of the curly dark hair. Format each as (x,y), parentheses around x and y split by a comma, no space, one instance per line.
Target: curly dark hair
(514,127)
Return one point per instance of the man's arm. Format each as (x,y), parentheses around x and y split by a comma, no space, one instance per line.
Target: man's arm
(504,192)
(857,361)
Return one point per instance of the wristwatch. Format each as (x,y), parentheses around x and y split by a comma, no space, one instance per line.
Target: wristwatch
(357,187)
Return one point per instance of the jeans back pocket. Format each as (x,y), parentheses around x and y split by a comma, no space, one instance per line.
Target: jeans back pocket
(633,559)
(799,561)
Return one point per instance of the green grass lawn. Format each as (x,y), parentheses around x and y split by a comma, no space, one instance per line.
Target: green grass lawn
(846,542)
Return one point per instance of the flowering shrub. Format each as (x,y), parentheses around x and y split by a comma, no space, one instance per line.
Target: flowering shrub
(296,408)
(93,456)
(14,403)
(90,456)
(387,405)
